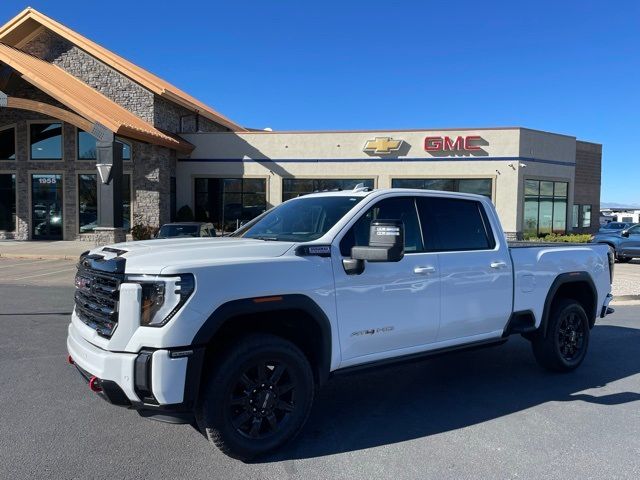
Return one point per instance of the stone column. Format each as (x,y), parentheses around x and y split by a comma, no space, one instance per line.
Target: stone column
(109,229)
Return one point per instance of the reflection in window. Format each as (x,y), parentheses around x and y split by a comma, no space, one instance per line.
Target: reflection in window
(228,203)
(8,202)
(46,141)
(296,187)
(88,202)
(586,216)
(545,207)
(479,186)
(8,144)
(87,147)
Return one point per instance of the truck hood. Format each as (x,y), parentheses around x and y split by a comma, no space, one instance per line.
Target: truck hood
(154,256)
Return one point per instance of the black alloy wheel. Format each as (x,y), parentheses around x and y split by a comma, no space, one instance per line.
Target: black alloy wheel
(262,400)
(570,336)
(257,397)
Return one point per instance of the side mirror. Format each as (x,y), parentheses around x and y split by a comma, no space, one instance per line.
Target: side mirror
(386,242)
(625,233)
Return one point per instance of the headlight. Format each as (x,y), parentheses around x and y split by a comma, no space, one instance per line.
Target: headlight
(162,297)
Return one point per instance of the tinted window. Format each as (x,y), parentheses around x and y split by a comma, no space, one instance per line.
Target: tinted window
(397,208)
(46,141)
(635,230)
(450,224)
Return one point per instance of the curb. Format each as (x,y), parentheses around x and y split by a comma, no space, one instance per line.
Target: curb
(37,256)
(625,298)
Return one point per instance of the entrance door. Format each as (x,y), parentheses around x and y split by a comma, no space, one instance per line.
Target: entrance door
(46,207)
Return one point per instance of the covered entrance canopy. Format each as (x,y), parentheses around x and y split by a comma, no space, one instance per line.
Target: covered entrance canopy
(90,111)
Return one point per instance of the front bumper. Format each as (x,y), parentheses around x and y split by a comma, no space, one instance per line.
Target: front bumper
(160,382)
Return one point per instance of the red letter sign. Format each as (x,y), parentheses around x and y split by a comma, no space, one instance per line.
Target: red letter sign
(433,144)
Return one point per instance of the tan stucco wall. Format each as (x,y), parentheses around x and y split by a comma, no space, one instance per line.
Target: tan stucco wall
(304,153)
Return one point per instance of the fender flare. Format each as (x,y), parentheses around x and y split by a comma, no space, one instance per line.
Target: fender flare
(564,279)
(253,305)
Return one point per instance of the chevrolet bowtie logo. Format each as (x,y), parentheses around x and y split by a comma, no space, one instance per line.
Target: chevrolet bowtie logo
(382,145)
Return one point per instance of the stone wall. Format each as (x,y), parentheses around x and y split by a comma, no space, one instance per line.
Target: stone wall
(587,181)
(177,119)
(152,168)
(125,92)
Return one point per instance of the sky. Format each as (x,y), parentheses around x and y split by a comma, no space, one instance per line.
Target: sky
(569,67)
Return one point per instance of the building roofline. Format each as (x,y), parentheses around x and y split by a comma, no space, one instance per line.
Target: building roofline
(27,22)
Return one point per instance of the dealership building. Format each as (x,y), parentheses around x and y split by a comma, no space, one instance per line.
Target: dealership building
(87,137)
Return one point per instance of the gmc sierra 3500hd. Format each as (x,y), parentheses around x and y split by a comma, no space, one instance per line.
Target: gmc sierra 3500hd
(235,334)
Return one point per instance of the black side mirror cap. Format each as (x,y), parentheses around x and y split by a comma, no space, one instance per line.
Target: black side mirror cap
(625,233)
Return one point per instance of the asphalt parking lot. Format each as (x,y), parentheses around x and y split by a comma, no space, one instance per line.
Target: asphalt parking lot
(479,414)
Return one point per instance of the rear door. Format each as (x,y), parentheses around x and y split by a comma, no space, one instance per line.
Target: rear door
(475,267)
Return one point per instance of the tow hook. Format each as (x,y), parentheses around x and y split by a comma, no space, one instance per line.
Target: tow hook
(95,384)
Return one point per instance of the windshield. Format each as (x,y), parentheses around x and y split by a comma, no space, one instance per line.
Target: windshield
(168,231)
(300,220)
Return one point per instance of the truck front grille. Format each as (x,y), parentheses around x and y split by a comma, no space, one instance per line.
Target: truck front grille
(96,298)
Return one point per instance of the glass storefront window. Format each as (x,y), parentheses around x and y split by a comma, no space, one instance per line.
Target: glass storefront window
(8,144)
(46,141)
(229,203)
(296,187)
(576,216)
(88,202)
(8,202)
(480,186)
(46,206)
(545,207)
(586,216)
(87,147)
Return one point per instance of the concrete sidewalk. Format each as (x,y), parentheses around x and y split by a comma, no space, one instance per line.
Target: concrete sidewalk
(54,250)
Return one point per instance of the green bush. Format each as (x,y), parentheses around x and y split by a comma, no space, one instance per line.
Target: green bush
(554,237)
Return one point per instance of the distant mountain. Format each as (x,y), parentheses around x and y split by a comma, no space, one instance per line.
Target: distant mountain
(625,206)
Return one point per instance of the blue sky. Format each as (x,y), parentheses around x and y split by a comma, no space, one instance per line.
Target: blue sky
(570,67)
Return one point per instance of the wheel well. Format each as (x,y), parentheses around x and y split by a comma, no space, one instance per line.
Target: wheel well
(295,325)
(580,291)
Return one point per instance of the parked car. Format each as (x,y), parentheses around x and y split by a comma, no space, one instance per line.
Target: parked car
(235,334)
(624,243)
(614,227)
(186,229)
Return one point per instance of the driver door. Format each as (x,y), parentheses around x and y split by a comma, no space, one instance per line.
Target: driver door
(390,306)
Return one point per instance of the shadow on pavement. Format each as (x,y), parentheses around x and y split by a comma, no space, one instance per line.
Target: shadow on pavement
(401,403)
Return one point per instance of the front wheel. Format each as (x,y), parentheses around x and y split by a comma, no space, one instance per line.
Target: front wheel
(565,345)
(257,398)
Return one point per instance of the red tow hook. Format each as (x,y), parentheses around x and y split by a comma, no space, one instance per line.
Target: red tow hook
(70,360)
(94,384)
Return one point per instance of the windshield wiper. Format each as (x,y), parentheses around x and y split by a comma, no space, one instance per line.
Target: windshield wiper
(266,238)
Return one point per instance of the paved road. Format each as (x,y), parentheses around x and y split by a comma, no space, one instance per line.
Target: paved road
(484,414)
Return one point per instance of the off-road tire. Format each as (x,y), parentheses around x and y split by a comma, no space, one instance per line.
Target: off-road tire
(565,344)
(234,390)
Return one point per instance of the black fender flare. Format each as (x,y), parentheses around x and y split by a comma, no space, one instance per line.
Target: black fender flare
(564,279)
(273,303)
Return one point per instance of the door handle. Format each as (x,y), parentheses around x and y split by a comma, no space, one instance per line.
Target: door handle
(498,264)
(424,270)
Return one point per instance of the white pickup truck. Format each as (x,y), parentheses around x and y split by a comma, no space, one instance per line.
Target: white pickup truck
(236,334)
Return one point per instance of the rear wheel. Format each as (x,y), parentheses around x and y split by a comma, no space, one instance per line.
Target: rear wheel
(257,398)
(565,345)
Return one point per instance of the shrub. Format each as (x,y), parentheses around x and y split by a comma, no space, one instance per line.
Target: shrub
(185,214)
(554,237)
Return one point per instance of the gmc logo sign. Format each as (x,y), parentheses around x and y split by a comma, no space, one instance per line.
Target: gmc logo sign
(439,144)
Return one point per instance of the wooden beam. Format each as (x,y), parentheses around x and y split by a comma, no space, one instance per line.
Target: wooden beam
(51,111)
